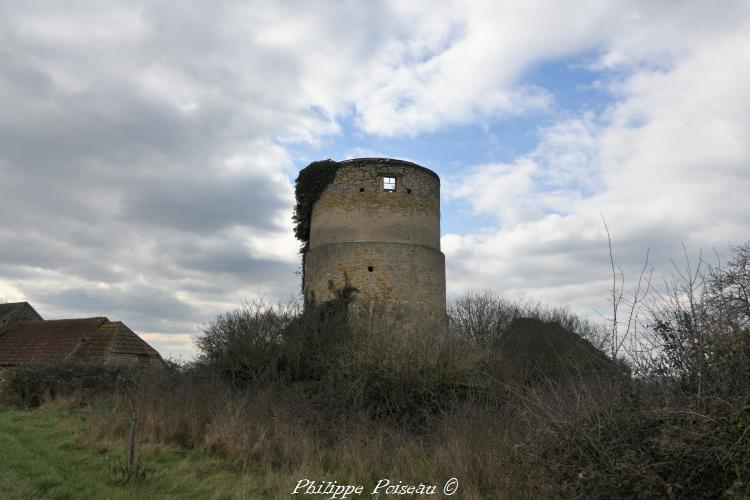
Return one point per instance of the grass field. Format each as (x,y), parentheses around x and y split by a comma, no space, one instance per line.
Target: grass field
(44,453)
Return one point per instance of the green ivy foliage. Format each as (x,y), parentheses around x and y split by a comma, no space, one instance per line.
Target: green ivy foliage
(310,184)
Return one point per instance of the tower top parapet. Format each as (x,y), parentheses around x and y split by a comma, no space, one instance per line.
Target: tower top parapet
(388,162)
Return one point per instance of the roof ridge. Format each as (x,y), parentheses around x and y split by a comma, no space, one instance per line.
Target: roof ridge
(85,337)
(11,306)
(103,318)
(111,347)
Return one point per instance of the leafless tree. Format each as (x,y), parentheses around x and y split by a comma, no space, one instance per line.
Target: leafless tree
(632,301)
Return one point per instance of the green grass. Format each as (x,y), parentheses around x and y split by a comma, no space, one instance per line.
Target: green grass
(44,454)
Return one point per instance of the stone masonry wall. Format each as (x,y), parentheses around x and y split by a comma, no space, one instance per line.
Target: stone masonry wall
(384,244)
(355,207)
(409,275)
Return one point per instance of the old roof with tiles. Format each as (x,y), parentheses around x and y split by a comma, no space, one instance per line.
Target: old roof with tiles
(87,339)
(19,310)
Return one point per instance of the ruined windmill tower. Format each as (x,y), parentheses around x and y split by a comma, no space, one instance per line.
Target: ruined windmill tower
(374,228)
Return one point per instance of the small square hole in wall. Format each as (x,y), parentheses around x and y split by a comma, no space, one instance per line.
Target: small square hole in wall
(408,190)
(361,190)
(370,269)
(389,184)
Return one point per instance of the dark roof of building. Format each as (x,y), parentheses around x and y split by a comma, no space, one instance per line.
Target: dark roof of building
(11,307)
(87,339)
(8,308)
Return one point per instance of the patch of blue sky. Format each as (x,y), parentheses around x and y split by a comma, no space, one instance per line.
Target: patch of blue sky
(457,218)
(447,151)
(575,84)
(576,89)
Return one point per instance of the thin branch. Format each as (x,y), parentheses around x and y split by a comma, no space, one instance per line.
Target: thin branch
(615,299)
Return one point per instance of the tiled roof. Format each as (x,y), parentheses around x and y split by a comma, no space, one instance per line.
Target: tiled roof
(13,307)
(112,338)
(39,341)
(127,342)
(89,339)
(8,308)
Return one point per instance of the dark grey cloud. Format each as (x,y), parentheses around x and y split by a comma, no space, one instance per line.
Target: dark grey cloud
(120,189)
(233,261)
(204,205)
(135,302)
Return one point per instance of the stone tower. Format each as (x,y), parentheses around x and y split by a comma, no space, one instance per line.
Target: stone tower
(376,228)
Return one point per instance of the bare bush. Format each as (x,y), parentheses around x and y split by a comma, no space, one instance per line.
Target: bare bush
(243,345)
(404,373)
(699,327)
(729,289)
(31,385)
(609,439)
(485,317)
(352,357)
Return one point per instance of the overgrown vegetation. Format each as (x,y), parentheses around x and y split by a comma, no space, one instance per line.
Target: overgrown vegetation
(335,392)
(49,452)
(309,185)
(344,357)
(30,385)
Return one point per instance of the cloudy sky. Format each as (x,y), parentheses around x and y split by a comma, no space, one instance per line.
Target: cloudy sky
(148,149)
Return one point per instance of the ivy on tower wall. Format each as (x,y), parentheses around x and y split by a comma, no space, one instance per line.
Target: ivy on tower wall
(310,184)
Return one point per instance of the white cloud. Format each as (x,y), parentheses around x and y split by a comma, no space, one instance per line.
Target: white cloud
(666,162)
(463,62)
(498,189)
